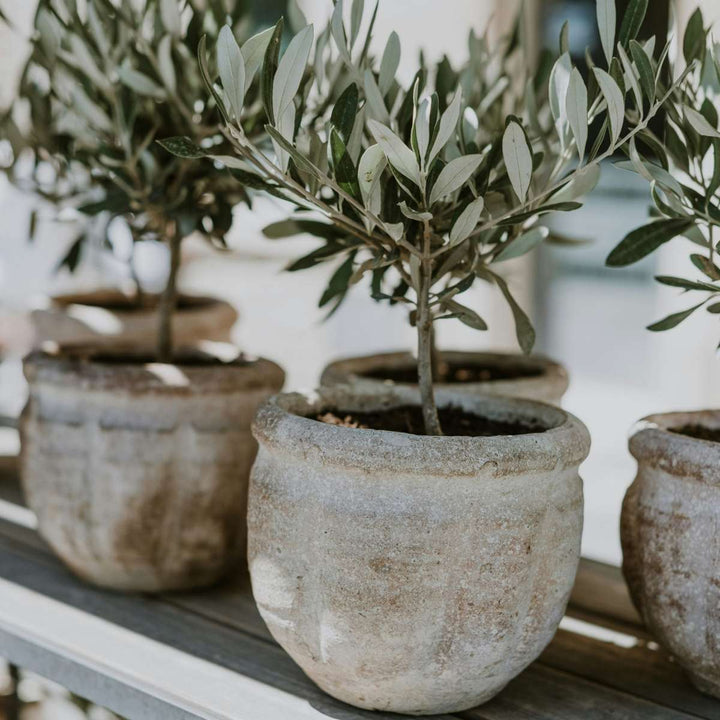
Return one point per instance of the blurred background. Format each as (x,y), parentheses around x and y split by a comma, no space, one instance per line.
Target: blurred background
(591,319)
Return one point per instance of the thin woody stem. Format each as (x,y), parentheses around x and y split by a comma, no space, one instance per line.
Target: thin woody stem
(425,343)
(168,301)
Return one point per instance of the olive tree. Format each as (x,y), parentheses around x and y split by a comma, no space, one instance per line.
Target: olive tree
(413,187)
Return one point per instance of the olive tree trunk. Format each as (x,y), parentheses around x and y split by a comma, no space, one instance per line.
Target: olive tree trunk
(426,351)
(168,302)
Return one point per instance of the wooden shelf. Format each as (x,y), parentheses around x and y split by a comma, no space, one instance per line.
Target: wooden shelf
(209,654)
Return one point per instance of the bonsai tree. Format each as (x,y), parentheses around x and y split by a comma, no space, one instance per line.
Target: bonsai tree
(683,169)
(415,189)
(102,84)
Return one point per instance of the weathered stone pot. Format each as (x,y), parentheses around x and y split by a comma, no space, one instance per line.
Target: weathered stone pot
(138,472)
(408,573)
(671,541)
(507,375)
(112,317)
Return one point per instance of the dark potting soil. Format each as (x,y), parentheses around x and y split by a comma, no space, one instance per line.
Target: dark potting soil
(409,419)
(699,432)
(456,373)
(130,304)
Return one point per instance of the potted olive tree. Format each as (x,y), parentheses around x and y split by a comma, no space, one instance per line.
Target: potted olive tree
(135,458)
(671,512)
(498,80)
(100,85)
(413,550)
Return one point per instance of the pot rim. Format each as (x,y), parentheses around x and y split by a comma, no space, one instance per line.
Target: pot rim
(82,367)
(653,442)
(353,368)
(282,424)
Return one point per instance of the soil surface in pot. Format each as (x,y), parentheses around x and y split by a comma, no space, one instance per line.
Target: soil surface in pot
(181,358)
(456,373)
(699,432)
(409,419)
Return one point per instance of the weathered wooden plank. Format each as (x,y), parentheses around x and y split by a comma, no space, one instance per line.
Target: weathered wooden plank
(183,631)
(600,597)
(600,594)
(542,693)
(638,667)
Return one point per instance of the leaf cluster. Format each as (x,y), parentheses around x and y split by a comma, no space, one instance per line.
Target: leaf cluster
(682,166)
(105,80)
(427,188)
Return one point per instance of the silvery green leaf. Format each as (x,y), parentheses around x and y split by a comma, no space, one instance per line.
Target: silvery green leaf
(232,70)
(370,169)
(559,84)
(291,70)
(699,124)
(253,52)
(631,77)
(97,30)
(615,101)
(356,16)
(93,113)
(448,124)
(411,214)
(170,16)
(645,70)
(652,173)
(140,83)
(583,183)
(400,156)
(454,175)
(234,162)
(390,63)
(577,111)
(607,24)
(470,125)
(337,28)
(375,102)
(522,244)
(494,94)
(395,230)
(85,63)
(286,128)
(422,129)
(165,63)
(355,142)
(467,222)
(465,315)
(518,159)
(296,17)
(523,327)
(51,32)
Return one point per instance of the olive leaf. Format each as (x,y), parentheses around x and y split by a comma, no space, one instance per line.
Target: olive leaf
(231,66)
(518,158)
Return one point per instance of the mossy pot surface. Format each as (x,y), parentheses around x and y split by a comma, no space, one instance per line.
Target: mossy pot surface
(138,471)
(407,573)
(509,375)
(110,316)
(670,532)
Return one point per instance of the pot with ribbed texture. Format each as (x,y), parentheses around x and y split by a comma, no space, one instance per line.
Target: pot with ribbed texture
(408,573)
(138,471)
(670,538)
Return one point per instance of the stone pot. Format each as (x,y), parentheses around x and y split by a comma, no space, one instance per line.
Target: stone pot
(407,573)
(671,540)
(510,375)
(112,317)
(138,472)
